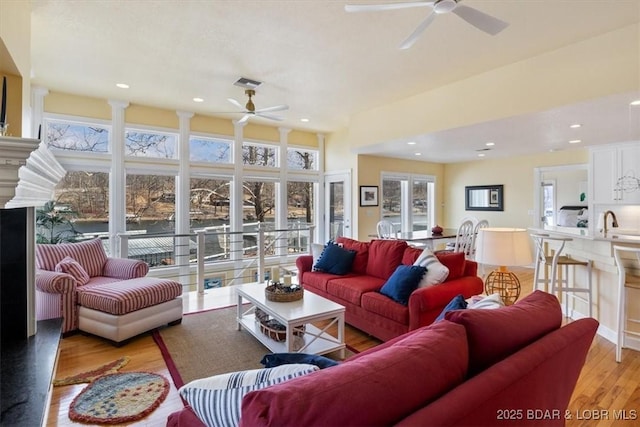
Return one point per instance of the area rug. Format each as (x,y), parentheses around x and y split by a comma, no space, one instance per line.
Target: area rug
(87,377)
(209,343)
(119,398)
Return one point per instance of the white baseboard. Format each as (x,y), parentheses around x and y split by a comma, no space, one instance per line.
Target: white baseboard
(609,334)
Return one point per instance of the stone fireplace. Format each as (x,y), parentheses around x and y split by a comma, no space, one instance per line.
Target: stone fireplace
(28,175)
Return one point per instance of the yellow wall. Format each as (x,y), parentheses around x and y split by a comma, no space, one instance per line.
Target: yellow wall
(517,176)
(14,103)
(151,116)
(308,139)
(253,131)
(215,125)
(76,105)
(600,66)
(15,63)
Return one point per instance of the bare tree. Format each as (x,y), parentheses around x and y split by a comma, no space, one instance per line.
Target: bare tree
(77,137)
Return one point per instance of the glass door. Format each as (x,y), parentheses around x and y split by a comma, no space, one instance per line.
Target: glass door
(338,205)
(548,203)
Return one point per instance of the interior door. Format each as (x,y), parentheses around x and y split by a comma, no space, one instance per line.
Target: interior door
(337,205)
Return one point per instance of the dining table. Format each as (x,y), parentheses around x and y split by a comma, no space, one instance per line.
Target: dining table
(426,238)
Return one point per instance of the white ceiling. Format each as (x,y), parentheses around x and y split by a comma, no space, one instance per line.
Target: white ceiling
(324,63)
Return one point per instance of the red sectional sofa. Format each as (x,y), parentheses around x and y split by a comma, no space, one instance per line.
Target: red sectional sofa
(513,366)
(372,312)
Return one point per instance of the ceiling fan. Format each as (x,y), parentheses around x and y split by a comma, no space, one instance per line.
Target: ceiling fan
(480,20)
(249,109)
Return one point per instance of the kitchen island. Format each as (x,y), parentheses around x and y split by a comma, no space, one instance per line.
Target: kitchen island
(598,247)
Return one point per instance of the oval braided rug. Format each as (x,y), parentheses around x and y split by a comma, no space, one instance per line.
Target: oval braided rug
(119,398)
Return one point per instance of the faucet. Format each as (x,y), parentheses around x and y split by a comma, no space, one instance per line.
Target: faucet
(614,222)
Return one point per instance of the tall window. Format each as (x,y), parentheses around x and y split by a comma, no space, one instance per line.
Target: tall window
(150,202)
(76,136)
(259,201)
(82,197)
(209,201)
(209,206)
(300,203)
(408,201)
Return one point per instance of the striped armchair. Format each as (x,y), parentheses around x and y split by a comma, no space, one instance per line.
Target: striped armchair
(62,268)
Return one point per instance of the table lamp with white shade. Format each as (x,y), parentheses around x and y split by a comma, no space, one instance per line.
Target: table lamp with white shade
(503,247)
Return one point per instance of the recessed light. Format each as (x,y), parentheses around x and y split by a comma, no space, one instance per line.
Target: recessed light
(305,120)
(490,144)
(636,102)
(575,141)
(575,126)
(198,99)
(481,155)
(411,143)
(418,154)
(122,85)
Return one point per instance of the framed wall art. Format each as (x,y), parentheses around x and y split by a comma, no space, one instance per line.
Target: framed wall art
(368,195)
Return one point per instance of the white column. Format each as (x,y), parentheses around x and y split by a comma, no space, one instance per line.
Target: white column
(37,110)
(236,195)
(183,202)
(117,178)
(319,194)
(281,193)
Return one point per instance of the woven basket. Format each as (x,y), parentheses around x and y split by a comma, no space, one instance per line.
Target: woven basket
(276,294)
(274,329)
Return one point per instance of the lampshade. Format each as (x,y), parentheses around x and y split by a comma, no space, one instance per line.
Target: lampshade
(507,247)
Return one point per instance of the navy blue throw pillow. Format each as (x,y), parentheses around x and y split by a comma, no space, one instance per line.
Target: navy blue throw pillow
(277,359)
(335,260)
(457,303)
(402,282)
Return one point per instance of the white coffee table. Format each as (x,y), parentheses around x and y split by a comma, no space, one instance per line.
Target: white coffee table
(311,308)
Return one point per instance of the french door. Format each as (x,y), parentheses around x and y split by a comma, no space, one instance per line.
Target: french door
(337,218)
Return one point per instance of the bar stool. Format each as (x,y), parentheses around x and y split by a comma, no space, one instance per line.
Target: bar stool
(560,271)
(626,279)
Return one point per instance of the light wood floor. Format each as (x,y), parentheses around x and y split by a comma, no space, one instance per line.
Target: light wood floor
(604,385)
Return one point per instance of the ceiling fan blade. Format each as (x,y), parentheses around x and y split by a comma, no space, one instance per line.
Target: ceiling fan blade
(480,20)
(244,118)
(387,6)
(269,116)
(416,33)
(272,109)
(236,103)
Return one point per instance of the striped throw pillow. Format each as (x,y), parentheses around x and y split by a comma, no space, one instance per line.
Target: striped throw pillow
(217,400)
(70,266)
(436,271)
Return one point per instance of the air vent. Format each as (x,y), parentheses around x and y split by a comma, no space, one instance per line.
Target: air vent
(484,149)
(247,83)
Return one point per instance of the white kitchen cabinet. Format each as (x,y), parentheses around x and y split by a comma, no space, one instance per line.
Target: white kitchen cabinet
(615,173)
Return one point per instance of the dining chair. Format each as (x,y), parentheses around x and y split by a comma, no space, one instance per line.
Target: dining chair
(386,230)
(464,238)
(483,223)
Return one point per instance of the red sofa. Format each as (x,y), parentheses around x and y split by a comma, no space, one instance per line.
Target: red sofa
(372,312)
(513,366)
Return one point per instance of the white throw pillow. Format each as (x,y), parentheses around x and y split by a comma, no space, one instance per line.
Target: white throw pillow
(217,400)
(436,271)
(489,302)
